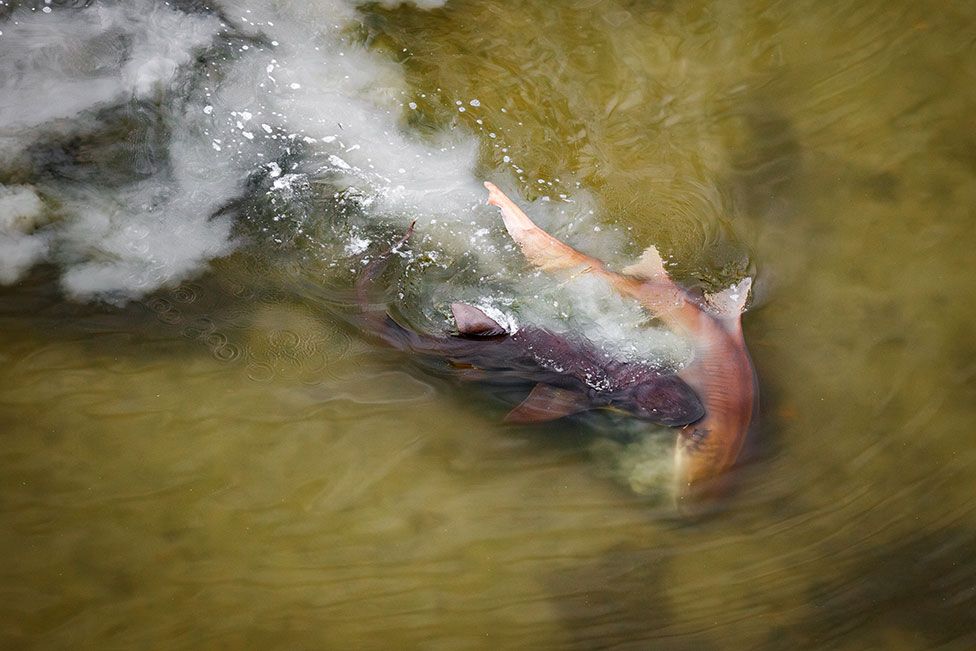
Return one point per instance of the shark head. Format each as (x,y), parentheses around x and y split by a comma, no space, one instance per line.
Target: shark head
(664,399)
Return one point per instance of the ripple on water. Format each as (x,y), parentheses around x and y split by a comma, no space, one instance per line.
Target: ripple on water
(186,293)
(131,479)
(287,341)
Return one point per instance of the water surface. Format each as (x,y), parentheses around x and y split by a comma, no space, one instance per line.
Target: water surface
(198,451)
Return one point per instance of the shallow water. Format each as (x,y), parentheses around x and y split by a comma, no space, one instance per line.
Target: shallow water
(199,451)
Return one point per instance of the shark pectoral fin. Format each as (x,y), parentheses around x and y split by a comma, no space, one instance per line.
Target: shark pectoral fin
(546,403)
(472,322)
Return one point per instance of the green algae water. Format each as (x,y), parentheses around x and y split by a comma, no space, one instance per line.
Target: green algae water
(198,451)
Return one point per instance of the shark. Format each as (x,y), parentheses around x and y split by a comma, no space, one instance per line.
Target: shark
(721,372)
(564,375)
(711,400)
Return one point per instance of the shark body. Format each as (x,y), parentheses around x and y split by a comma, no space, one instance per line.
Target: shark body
(712,400)
(721,372)
(565,375)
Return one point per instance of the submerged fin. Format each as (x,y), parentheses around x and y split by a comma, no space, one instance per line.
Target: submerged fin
(472,322)
(730,302)
(546,403)
(649,267)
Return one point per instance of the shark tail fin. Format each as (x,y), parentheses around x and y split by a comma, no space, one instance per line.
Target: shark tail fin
(646,281)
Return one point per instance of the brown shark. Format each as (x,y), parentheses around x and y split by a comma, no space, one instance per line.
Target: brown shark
(721,371)
(566,374)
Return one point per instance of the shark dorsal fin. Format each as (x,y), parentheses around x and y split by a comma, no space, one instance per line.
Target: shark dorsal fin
(546,403)
(472,322)
(650,266)
(731,301)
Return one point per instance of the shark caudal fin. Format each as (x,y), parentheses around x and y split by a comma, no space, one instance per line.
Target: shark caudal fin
(646,281)
(546,252)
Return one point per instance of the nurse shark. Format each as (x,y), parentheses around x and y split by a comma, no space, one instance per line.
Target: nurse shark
(563,374)
(712,399)
(721,372)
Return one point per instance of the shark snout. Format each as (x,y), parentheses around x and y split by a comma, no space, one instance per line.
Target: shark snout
(667,400)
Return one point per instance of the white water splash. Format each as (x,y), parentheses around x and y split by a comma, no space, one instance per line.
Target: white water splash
(60,70)
(21,245)
(281,91)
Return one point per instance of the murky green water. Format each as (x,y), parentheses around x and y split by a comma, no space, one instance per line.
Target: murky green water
(226,464)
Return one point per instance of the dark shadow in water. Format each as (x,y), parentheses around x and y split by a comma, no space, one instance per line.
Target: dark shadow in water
(923,590)
(768,169)
(620,602)
(655,6)
(769,164)
(917,594)
(957,143)
(123,144)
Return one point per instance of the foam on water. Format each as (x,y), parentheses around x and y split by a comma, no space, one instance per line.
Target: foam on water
(246,90)
(55,66)
(584,303)
(20,247)
(57,70)
(250,107)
